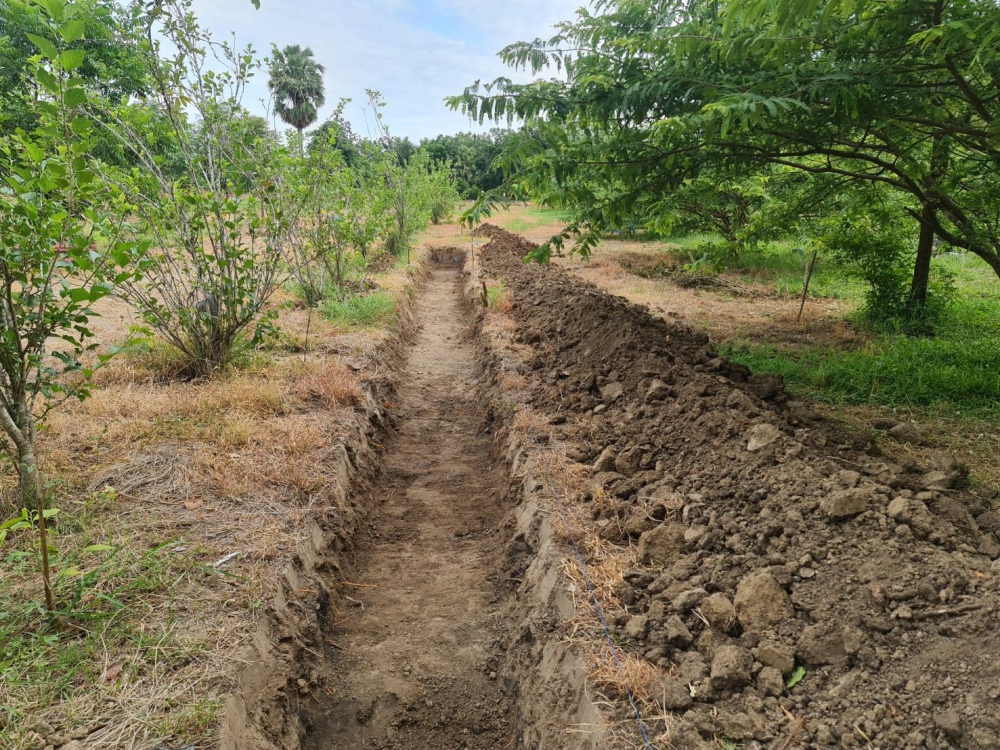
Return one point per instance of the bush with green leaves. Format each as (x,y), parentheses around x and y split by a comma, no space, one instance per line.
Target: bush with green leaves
(63,248)
(218,230)
(441,191)
(873,245)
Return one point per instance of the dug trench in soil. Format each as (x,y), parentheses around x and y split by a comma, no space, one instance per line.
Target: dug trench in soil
(411,657)
(776,548)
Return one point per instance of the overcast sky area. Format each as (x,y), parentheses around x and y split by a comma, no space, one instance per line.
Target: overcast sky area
(415,52)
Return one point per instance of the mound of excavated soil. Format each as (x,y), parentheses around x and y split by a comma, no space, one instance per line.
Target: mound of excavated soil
(503,243)
(771,540)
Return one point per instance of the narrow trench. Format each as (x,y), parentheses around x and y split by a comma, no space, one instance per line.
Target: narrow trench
(413,657)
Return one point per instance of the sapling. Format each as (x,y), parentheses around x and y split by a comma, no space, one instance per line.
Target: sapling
(62,249)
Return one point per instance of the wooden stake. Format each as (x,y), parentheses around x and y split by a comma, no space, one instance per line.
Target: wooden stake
(805,287)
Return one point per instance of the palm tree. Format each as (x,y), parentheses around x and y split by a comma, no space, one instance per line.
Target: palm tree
(296,81)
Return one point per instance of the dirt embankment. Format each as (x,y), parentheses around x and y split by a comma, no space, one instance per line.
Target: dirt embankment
(773,547)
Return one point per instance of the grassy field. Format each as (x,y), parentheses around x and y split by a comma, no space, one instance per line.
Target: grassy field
(948,383)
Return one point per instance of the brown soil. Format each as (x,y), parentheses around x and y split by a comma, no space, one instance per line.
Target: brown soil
(411,656)
(772,541)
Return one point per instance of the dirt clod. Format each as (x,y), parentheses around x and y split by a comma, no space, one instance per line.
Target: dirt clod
(761,602)
(731,667)
(662,545)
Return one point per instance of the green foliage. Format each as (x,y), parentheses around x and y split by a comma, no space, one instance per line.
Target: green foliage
(440,192)
(415,186)
(796,677)
(113,64)
(872,243)
(957,368)
(495,294)
(892,370)
(218,219)
(64,249)
(472,157)
(348,208)
(361,310)
(658,93)
(336,131)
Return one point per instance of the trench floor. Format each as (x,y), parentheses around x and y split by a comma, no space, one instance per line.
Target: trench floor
(412,657)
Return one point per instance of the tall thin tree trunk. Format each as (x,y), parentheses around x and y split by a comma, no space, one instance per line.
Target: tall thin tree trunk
(922,266)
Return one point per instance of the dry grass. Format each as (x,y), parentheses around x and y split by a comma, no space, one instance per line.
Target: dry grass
(175,477)
(629,673)
(974,442)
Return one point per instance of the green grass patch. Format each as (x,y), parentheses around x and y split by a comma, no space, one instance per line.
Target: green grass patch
(889,371)
(361,310)
(530,218)
(958,368)
(105,589)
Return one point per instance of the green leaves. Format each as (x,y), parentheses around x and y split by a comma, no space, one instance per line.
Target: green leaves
(46,47)
(70,59)
(55,8)
(71,31)
(74,98)
(661,91)
(795,678)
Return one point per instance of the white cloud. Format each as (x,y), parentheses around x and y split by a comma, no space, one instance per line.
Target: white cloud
(514,19)
(415,52)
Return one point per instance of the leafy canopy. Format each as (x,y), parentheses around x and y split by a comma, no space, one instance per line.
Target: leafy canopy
(901,93)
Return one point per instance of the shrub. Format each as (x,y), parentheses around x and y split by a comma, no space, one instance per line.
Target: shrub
(872,245)
(217,232)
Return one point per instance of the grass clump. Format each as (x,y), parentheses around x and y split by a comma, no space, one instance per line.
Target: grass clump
(888,371)
(958,367)
(499,297)
(354,310)
(533,217)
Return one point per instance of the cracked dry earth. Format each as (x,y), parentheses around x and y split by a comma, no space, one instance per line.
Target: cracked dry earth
(412,660)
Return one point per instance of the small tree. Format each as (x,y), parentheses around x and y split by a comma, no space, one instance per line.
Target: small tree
(870,240)
(218,230)
(314,250)
(442,192)
(61,251)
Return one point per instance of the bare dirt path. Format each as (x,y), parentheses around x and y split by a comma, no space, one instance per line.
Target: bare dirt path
(414,663)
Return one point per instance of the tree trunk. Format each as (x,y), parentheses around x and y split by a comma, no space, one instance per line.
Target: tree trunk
(33,497)
(922,267)
(925,245)
(19,425)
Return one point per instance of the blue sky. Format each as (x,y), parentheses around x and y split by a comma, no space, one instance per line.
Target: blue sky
(415,52)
